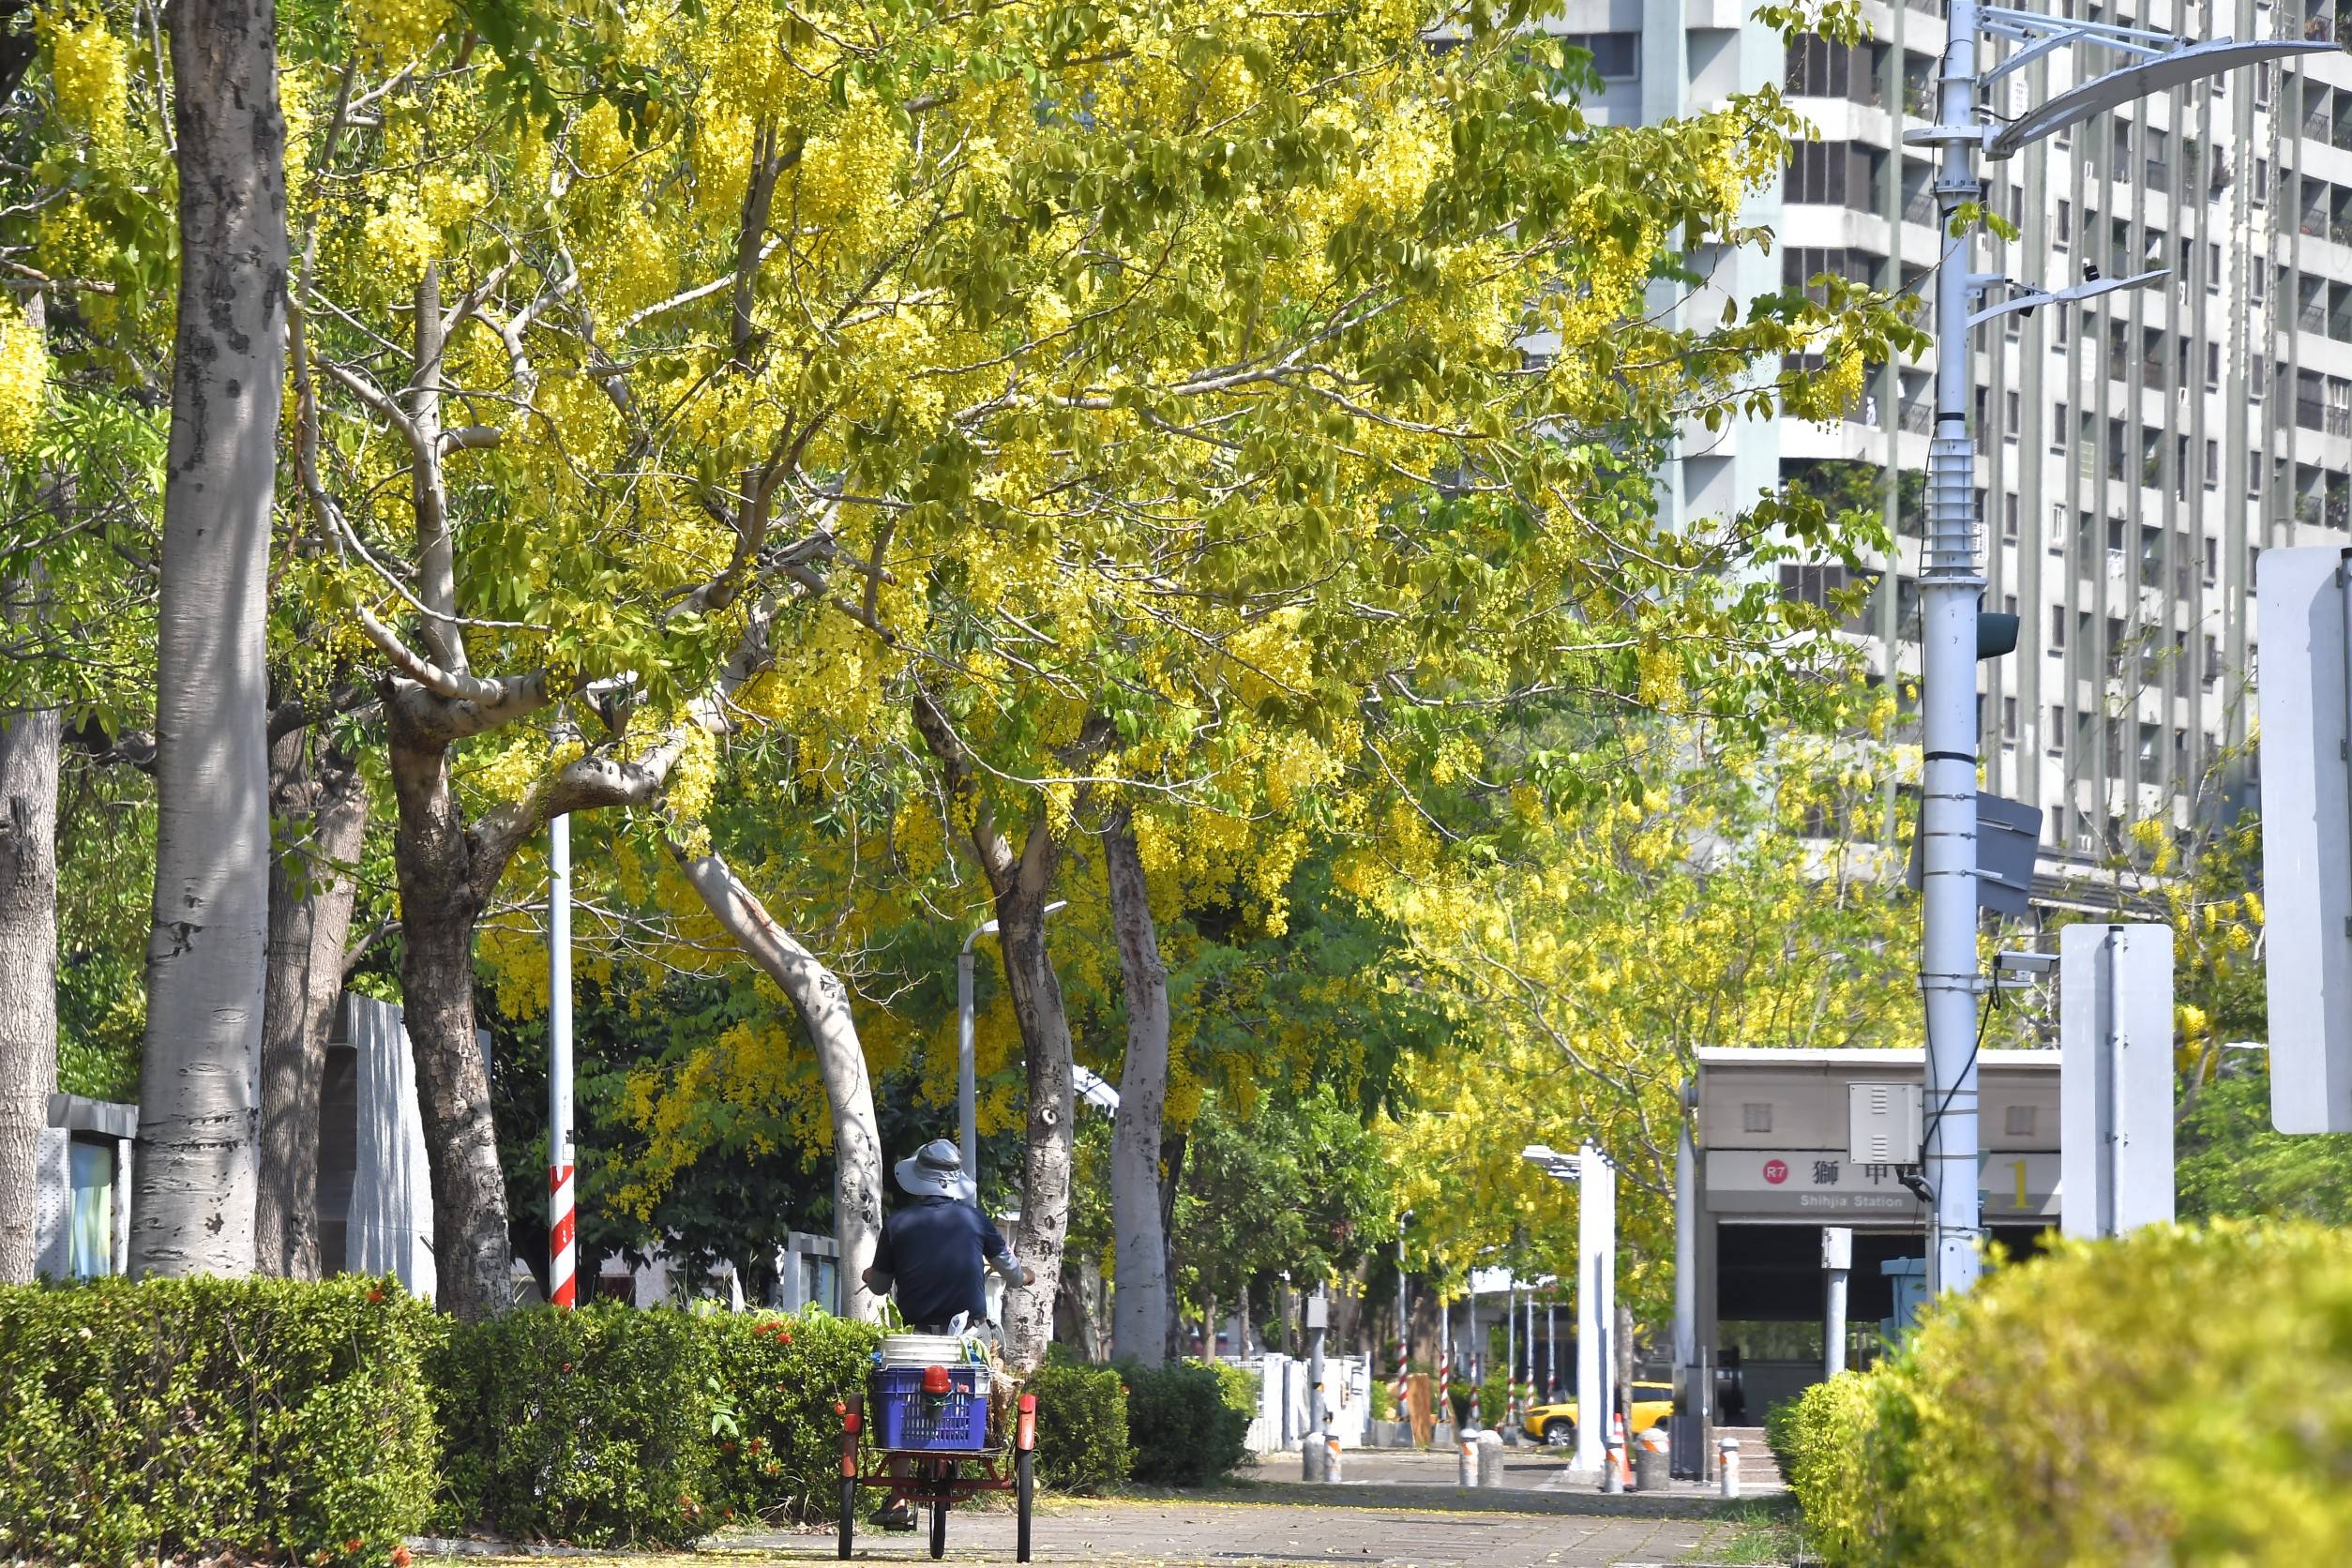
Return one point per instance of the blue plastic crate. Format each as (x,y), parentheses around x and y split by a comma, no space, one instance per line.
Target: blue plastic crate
(905,1417)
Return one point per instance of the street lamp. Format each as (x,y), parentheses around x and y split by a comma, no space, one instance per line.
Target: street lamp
(967,1090)
(1951,581)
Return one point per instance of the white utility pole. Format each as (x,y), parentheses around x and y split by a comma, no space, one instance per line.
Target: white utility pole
(562,1243)
(1837,1261)
(2115,1077)
(1952,581)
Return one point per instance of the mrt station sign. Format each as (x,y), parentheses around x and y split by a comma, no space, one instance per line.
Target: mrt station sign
(1774,1124)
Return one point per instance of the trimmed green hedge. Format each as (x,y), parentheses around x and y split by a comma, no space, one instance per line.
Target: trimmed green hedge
(591,1426)
(612,1425)
(1186,1422)
(2177,1395)
(199,1416)
(1082,1440)
(780,1444)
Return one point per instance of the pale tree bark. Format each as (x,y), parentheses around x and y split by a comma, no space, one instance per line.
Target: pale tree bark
(322,802)
(823,1004)
(28,973)
(1022,884)
(1140,1315)
(193,1205)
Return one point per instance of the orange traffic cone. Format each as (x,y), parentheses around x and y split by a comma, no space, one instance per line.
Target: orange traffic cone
(1617,1448)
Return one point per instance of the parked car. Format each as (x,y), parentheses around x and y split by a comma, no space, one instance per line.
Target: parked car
(1556,1425)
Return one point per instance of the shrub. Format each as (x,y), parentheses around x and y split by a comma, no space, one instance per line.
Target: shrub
(1184,1427)
(1081,1427)
(2174,1395)
(208,1415)
(779,1440)
(597,1426)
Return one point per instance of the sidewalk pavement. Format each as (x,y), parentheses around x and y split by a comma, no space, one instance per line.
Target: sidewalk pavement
(1532,1477)
(1197,1534)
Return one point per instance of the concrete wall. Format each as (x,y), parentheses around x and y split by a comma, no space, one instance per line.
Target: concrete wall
(389,1224)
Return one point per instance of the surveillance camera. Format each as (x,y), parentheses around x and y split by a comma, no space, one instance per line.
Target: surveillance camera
(1916,1185)
(2025,962)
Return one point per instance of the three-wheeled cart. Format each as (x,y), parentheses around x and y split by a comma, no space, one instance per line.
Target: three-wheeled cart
(932,1446)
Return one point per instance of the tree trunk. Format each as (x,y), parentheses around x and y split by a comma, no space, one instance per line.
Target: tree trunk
(193,1212)
(324,804)
(439,905)
(1047,1153)
(28,974)
(823,1004)
(1172,1175)
(1140,1303)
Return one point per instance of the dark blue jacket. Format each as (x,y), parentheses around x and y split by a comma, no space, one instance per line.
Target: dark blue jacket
(937,1249)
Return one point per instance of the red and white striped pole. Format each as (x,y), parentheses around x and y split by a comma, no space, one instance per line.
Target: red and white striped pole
(1445,1361)
(562,1245)
(1404,1334)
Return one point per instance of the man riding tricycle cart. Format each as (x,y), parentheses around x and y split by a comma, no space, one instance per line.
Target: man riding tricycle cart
(940,1433)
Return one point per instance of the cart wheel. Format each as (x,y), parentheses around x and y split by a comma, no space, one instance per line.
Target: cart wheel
(849,1514)
(938,1528)
(1027,1493)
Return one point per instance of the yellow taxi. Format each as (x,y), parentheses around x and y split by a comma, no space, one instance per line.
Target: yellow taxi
(1557,1424)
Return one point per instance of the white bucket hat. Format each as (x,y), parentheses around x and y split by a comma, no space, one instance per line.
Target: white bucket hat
(934,1171)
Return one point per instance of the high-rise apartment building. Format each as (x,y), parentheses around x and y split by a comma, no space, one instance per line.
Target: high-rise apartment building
(2136,453)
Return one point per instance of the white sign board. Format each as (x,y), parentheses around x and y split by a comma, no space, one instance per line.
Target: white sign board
(2307,836)
(1883,1124)
(2115,1080)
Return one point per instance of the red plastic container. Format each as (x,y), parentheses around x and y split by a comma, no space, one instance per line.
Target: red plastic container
(907,1418)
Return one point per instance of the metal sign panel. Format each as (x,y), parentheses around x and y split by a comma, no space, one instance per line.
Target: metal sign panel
(2307,835)
(1884,1124)
(2115,1080)
(2007,837)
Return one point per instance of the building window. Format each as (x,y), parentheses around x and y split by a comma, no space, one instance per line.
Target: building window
(2058,434)
(2058,530)
(2213,269)
(2065,224)
(2212,366)
(2212,559)
(2054,739)
(2009,718)
(1830,173)
(2009,517)
(2212,464)
(2261,188)
(2058,625)
(2012,415)
(1616,56)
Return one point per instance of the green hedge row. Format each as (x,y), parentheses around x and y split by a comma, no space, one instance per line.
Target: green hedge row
(326,1421)
(612,1426)
(204,1415)
(2177,1395)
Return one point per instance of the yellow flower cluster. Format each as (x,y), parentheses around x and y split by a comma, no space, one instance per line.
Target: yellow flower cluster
(86,62)
(399,30)
(23,378)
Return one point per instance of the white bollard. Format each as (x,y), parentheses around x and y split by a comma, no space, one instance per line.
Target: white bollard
(1727,1465)
(1313,1459)
(1466,1468)
(1491,1458)
(1331,1462)
(1612,1474)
